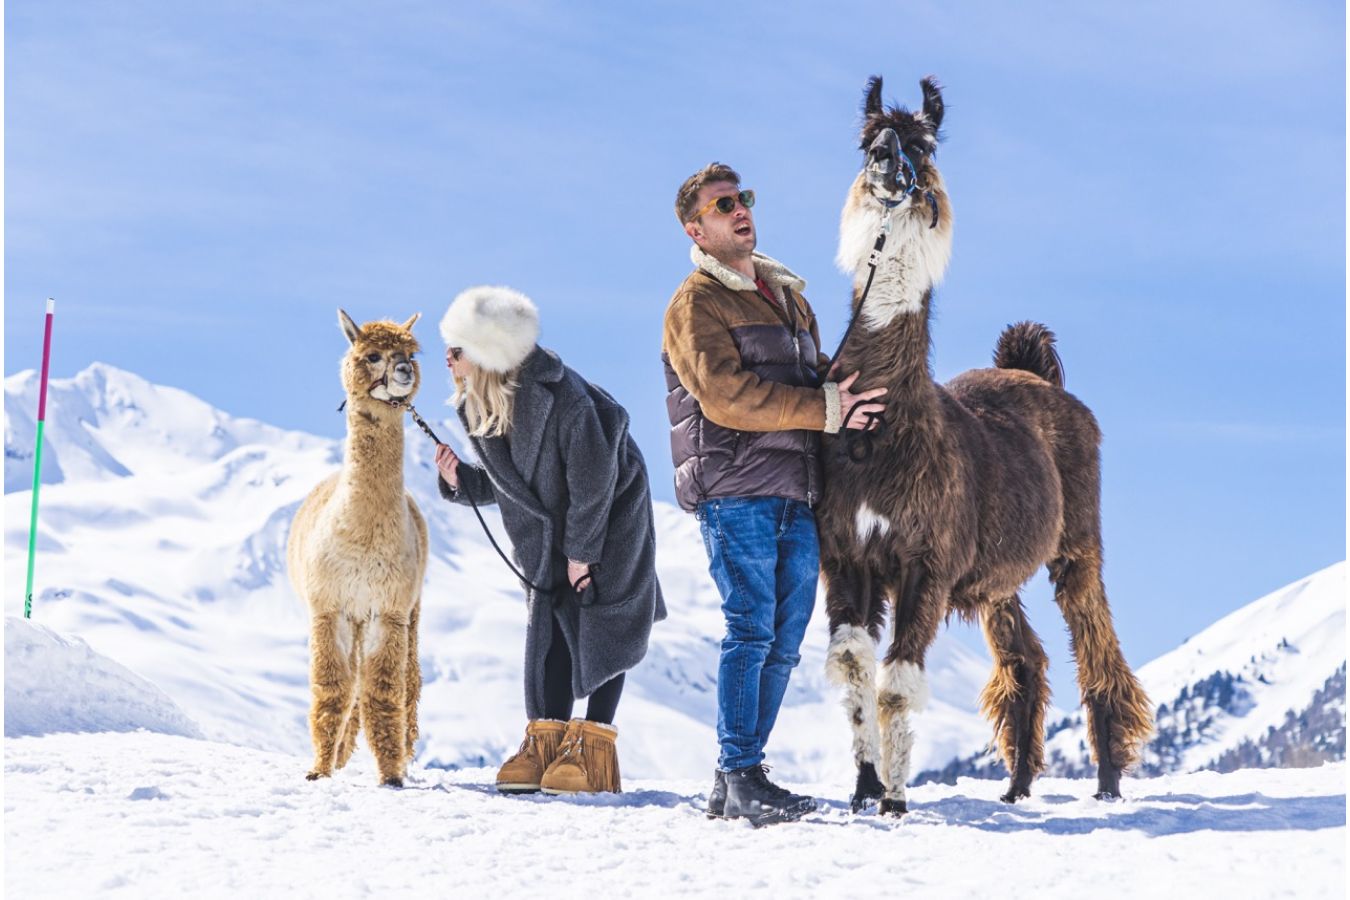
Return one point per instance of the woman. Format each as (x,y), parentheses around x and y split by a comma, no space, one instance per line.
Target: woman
(556,457)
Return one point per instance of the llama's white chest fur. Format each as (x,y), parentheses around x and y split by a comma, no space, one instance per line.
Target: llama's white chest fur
(869,523)
(913,260)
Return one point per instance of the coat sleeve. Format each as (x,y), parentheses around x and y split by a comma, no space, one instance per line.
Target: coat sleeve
(591,466)
(708,363)
(473,482)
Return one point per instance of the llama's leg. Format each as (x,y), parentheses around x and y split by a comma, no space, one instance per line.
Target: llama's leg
(414,682)
(902,688)
(1119,713)
(851,663)
(384,676)
(1017,693)
(352,729)
(331,679)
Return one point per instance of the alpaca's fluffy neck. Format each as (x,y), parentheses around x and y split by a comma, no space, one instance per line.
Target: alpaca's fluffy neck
(372,466)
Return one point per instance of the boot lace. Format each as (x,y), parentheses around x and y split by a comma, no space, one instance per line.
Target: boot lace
(762,777)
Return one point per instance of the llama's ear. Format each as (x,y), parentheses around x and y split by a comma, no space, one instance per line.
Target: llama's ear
(933,107)
(872,105)
(407,326)
(349,328)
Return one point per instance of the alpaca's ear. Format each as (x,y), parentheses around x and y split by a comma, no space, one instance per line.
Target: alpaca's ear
(933,107)
(872,105)
(407,326)
(349,328)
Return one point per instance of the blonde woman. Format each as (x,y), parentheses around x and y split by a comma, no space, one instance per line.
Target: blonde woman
(555,456)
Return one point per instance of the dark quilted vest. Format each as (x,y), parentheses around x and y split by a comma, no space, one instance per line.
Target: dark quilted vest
(712,461)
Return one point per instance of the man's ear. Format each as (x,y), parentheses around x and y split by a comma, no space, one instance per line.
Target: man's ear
(692,229)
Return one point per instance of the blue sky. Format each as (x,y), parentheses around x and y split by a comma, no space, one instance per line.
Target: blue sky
(1163,184)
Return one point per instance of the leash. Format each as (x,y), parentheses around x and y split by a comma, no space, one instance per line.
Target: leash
(422,424)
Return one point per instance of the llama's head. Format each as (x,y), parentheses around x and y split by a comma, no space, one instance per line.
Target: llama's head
(380,364)
(899,177)
(898,147)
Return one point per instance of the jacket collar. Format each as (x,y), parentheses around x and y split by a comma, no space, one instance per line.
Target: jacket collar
(534,401)
(774,273)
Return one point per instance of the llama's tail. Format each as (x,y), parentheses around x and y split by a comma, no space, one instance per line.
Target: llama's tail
(1030,346)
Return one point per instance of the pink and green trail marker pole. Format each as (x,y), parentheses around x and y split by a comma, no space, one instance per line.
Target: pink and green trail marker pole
(37,456)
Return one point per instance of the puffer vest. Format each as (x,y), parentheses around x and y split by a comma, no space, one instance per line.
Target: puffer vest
(714,461)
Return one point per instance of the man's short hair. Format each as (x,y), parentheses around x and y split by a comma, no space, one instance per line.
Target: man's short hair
(686,199)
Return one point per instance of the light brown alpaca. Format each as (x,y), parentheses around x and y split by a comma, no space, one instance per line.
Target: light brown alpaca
(357,553)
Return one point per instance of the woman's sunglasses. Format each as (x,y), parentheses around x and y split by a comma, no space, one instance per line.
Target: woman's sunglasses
(456,353)
(727,203)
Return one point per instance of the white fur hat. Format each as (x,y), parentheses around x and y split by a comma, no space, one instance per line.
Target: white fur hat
(496,326)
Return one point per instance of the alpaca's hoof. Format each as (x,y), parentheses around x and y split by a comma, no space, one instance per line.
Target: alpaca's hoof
(893,808)
(1015,794)
(392,781)
(1106,795)
(315,776)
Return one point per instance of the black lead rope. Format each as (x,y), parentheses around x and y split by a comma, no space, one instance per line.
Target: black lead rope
(422,424)
(858,442)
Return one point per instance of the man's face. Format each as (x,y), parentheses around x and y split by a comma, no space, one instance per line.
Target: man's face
(723,235)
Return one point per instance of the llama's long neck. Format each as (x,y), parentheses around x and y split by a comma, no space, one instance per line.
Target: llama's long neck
(891,342)
(372,466)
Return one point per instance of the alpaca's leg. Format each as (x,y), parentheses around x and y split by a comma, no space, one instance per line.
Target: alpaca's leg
(1017,693)
(332,679)
(851,663)
(1119,714)
(347,745)
(414,682)
(384,676)
(902,687)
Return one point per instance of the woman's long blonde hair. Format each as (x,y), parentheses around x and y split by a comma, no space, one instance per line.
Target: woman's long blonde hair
(488,400)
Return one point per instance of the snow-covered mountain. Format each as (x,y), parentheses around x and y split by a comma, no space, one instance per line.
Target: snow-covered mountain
(1263,686)
(161,542)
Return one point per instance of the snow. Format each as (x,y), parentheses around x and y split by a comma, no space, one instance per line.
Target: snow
(149,815)
(155,715)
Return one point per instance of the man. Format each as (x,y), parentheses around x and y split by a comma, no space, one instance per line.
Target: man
(748,398)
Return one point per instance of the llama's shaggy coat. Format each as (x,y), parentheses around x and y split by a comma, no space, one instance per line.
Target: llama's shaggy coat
(971,487)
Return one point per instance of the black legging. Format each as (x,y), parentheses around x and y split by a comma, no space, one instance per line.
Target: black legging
(604,700)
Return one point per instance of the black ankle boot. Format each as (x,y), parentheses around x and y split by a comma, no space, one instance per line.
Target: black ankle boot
(751,796)
(717,800)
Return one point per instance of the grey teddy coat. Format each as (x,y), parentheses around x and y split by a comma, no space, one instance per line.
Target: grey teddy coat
(571,484)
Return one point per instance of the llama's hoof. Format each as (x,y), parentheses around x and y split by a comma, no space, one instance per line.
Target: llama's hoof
(892,808)
(1106,795)
(1015,794)
(392,781)
(868,790)
(315,776)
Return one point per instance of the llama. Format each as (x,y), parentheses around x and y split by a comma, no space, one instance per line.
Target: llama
(969,489)
(357,553)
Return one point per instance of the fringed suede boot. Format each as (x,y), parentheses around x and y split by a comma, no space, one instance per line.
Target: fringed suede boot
(587,762)
(522,773)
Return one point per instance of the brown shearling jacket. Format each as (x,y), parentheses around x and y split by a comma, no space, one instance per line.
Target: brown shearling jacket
(747,395)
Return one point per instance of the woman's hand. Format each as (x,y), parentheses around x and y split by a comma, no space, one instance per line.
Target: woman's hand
(576,571)
(447,463)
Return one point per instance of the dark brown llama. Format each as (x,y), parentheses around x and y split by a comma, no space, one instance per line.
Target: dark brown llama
(969,489)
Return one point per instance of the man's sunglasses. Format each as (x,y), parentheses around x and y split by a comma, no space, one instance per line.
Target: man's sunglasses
(727,203)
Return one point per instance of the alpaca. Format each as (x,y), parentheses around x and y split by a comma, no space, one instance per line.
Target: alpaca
(357,554)
(971,487)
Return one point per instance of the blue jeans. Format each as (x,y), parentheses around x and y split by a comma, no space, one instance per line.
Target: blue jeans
(764,557)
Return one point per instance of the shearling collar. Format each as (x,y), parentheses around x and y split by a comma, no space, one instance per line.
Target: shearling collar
(774,273)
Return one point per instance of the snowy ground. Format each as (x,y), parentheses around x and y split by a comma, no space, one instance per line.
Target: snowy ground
(153,815)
